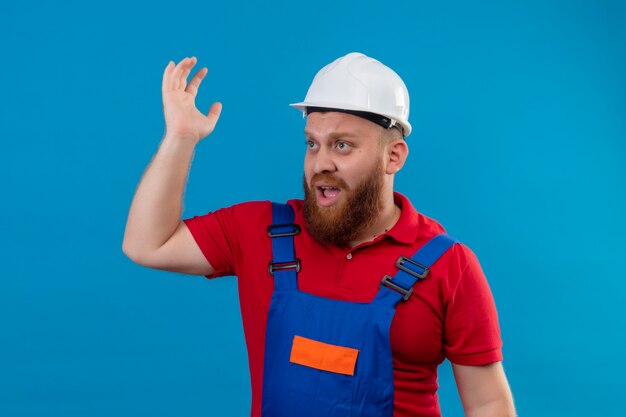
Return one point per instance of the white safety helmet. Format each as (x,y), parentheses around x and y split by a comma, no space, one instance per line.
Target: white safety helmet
(360,85)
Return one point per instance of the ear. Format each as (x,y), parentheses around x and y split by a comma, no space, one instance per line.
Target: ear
(396,152)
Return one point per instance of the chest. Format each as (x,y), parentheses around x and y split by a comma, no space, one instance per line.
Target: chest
(354,275)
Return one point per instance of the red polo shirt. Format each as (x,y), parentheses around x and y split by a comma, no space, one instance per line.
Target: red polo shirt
(451,313)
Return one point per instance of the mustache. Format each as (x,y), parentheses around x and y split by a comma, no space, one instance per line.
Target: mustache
(328,179)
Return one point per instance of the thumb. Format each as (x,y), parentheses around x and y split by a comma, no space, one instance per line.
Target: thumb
(214,113)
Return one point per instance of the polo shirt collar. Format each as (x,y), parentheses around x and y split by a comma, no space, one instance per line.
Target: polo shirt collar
(405,229)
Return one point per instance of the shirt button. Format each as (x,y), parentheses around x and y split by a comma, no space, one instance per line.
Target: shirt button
(349,256)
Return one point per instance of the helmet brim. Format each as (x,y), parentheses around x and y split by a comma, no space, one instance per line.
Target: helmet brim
(302,106)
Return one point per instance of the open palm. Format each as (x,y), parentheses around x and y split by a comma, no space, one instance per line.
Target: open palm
(182,118)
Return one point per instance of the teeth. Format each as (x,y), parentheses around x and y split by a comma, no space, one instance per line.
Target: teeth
(329,192)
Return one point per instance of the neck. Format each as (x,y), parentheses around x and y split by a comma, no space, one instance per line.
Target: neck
(386,220)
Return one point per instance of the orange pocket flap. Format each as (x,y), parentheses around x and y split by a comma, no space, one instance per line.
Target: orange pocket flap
(319,355)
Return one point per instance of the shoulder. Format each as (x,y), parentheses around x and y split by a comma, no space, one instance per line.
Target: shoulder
(297,204)
(252,209)
(231,218)
(245,209)
(252,214)
(457,261)
(262,210)
(464,260)
(427,228)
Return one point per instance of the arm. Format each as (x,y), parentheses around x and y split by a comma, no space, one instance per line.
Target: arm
(155,235)
(484,390)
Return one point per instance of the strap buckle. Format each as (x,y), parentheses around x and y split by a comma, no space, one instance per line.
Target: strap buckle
(387,283)
(281,266)
(400,265)
(282,230)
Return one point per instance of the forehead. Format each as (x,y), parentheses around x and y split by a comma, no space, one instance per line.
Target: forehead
(321,125)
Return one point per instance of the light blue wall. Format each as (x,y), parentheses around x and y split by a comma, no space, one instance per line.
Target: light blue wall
(518,148)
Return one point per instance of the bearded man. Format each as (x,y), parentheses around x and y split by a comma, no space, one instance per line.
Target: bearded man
(350,298)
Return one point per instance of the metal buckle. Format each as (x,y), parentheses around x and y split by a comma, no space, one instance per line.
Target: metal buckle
(280,266)
(387,283)
(271,233)
(400,265)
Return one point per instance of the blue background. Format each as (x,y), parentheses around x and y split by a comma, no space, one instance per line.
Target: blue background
(518,148)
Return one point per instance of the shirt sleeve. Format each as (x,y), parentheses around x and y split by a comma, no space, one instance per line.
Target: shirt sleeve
(471,328)
(217,237)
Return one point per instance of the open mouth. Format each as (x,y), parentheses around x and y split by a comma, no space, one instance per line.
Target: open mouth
(327,195)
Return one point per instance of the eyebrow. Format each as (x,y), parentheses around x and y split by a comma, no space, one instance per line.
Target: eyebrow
(333,135)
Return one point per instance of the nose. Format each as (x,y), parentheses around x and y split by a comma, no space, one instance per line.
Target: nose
(323,162)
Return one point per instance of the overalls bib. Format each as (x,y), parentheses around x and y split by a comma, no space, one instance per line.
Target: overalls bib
(325,357)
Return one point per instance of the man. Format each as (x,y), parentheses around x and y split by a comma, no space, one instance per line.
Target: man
(350,298)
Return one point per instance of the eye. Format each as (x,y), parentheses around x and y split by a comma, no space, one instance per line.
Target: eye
(310,144)
(342,146)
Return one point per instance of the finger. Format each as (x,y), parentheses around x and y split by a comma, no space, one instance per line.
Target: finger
(167,76)
(186,69)
(194,84)
(176,74)
(214,114)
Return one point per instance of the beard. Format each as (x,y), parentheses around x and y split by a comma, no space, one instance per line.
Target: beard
(344,221)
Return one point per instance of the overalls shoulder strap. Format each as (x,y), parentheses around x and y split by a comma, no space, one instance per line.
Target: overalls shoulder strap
(410,270)
(284,265)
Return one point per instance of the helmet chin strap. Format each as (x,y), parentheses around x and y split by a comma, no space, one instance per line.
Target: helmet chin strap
(380,120)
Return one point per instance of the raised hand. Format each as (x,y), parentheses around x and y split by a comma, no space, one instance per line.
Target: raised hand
(183,120)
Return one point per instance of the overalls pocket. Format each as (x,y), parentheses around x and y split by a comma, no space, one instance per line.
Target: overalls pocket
(322,376)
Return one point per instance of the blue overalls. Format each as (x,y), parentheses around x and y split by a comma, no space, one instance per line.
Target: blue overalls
(325,357)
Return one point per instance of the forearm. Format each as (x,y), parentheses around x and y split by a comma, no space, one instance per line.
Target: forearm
(156,209)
